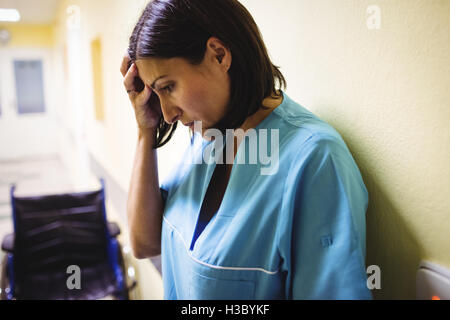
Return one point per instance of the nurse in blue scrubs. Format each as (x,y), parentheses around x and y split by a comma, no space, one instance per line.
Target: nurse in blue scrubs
(275,213)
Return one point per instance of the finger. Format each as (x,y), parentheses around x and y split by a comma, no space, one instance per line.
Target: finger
(124,66)
(128,81)
(143,97)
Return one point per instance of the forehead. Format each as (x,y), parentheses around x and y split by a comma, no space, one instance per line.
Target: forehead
(152,68)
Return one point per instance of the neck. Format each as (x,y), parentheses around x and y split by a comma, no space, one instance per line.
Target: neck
(255,119)
(261,114)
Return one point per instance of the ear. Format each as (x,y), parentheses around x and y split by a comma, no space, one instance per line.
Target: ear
(220,54)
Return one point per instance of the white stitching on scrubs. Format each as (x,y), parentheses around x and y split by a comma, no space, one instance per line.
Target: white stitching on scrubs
(214,266)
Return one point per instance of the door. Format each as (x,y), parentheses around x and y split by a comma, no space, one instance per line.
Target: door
(27,120)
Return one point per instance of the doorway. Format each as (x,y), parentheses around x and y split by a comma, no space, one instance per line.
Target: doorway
(27,119)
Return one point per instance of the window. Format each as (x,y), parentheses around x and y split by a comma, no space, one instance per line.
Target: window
(29,86)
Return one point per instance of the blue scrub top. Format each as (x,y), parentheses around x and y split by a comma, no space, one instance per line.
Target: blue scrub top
(297,233)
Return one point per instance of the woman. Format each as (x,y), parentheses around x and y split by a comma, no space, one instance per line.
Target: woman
(227,231)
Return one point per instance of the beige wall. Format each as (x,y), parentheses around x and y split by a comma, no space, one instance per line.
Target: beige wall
(29,35)
(385,91)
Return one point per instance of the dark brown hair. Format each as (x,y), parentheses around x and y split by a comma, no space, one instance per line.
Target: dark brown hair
(181,28)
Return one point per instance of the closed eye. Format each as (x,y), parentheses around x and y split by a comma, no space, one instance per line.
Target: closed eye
(168,89)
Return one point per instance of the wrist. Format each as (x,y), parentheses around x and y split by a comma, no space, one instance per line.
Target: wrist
(149,135)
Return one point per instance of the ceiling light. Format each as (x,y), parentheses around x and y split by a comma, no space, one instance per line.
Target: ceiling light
(9,15)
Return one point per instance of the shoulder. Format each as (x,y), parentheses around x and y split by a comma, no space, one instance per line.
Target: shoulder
(312,148)
(323,174)
(302,134)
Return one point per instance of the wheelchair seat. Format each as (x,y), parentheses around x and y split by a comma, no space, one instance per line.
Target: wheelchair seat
(53,233)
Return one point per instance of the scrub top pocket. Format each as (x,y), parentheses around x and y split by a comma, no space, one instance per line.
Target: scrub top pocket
(202,287)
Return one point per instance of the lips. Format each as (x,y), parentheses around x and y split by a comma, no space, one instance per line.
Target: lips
(190,124)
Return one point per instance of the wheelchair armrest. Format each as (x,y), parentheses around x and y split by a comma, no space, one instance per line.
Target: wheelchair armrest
(113,229)
(8,243)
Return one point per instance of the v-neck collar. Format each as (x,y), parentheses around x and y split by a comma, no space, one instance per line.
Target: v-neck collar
(210,171)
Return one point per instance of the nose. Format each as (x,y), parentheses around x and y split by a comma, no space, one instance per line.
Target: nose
(171,114)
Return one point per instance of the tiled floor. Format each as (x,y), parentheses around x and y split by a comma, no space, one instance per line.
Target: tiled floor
(33,176)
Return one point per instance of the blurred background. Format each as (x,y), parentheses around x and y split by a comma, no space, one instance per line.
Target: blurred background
(378,71)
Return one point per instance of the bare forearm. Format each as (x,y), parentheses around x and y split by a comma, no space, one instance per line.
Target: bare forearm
(145,205)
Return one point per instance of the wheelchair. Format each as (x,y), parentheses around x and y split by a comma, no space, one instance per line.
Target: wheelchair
(63,248)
